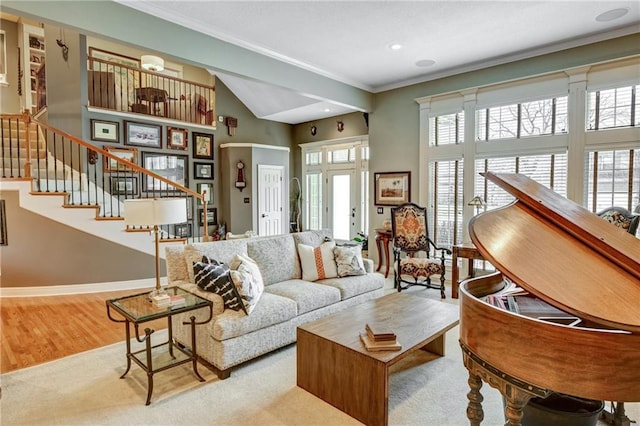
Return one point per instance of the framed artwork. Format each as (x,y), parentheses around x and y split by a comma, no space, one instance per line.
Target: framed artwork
(124,185)
(140,134)
(205,187)
(212,216)
(182,230)
(202,145)
(105,131)
(189,208)
(111,165)
(177,138)
(202,170)
(171,167)
(392,188)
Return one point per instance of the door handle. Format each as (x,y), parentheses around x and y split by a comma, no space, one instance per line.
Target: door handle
(263,215)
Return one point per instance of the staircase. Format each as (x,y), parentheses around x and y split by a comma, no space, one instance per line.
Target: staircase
(61,177)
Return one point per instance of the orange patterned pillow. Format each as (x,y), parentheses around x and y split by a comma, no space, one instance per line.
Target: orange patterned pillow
(318,262)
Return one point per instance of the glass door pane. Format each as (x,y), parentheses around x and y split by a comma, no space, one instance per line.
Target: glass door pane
(342,210)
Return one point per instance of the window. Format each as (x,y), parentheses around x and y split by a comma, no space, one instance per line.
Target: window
(613,108)
(447,129)
(613,179)
(549,170)
(346,155)
(3,57)
(313,189)
(313,158)
(445,228)
(537,118)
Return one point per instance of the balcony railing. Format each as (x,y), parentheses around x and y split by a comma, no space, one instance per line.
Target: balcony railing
(117,87)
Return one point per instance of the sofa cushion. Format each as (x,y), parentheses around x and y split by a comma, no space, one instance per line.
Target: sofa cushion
(248,281)
(312,238)
(276,257)
(307,295)
(317,262)
(354,285)
(222,251)
(211,275)
(271,310)
(349,260)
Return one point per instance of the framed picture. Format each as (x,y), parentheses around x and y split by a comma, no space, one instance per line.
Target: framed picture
(139,134)
(392,189)
(202,170)
(176,138)
(111,165)
(171,167)
(202,145)
(124,185)
(182,230)
(205,187)
(189,208)
(105,131)
(212,216)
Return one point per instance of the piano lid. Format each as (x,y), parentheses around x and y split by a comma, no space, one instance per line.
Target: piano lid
(562,253)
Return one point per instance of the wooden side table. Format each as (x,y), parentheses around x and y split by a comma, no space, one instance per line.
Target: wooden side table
(466,251)
(383,239)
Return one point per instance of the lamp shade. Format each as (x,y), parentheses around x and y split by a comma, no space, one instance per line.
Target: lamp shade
(155,211)
(152,63)
(476,201)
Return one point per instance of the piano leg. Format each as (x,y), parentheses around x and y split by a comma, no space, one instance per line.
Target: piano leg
(615,416)
(516,400)
(474,409)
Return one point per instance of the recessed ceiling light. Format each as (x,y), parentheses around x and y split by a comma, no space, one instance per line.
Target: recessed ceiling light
(612,14)
(327,110)
(395,46)
(425,63)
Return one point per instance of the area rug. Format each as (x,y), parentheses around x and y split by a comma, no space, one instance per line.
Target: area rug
(85,389)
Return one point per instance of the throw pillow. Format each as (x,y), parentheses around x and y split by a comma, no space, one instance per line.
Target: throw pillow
(349,260)
(318,262)
(211,275)
(248,281)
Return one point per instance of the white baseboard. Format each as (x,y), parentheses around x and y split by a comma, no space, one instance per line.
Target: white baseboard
(59,290)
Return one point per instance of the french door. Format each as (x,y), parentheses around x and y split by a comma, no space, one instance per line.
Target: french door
(343,212)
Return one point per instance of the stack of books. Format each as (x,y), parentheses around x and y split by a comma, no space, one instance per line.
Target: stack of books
(161,300)
(377,338)
(177,300)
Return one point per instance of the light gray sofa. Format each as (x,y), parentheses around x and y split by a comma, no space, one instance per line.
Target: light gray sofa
(232,337)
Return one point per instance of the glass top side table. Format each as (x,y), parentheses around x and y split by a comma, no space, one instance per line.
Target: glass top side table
(138,309)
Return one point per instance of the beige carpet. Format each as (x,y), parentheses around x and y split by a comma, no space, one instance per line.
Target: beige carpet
(85,389)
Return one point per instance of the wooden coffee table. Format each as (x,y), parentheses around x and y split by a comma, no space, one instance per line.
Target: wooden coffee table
(333,364)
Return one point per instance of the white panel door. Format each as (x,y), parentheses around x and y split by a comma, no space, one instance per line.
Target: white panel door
(270,192)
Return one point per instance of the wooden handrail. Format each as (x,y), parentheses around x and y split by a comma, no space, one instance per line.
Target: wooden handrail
(28,120)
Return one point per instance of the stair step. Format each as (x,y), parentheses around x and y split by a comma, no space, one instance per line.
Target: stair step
(58,185)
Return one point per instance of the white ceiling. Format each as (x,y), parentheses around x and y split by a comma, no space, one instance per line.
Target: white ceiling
(349,41)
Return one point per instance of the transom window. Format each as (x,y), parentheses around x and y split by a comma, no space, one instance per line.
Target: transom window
(608,109)
(447,129)
(537,118)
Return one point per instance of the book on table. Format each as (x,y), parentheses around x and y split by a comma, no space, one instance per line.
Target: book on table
(379,333)
(372,345)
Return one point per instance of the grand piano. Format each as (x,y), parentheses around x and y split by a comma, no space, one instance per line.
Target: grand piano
(572,261)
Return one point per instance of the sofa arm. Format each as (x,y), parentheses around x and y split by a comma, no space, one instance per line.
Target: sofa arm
(368,265)
(218,303)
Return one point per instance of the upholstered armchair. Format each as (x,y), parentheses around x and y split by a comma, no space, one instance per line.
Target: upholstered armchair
(622,218)
(410,236)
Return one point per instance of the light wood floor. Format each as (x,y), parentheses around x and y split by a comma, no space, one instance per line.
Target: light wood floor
(40,329)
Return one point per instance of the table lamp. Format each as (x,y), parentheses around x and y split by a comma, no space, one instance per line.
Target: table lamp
(154,212)
(477,202)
